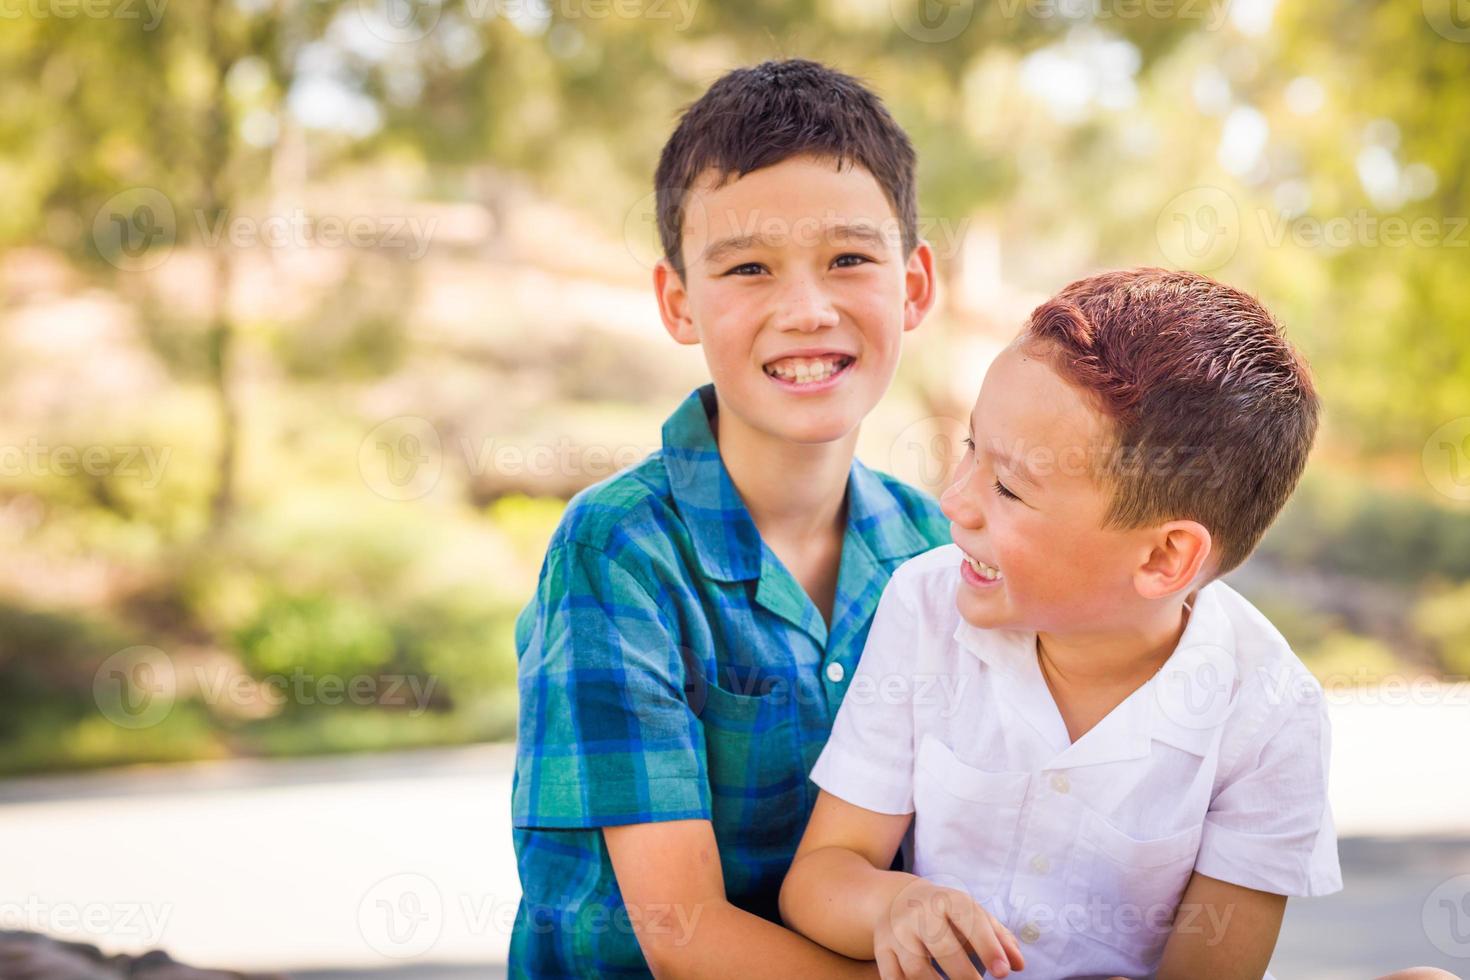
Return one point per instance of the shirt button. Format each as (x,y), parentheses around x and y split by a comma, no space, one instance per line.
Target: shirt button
(835,673)
(1029,933)
(1059,782)
(1040,864)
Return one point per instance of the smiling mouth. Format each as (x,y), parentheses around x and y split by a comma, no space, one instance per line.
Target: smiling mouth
(808,370)
(987,572)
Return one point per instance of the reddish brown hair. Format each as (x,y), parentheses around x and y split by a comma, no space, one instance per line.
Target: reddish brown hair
(1212,411)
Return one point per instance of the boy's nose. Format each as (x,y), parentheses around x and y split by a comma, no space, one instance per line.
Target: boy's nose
(958,503)
(805,307)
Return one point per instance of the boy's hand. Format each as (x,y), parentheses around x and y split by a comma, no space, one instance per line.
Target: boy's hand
(929,921)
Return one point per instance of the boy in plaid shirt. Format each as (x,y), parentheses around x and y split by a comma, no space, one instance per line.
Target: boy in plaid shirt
(699,616)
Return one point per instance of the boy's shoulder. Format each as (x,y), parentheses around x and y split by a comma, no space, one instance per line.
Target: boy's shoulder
(1262,653)
(1269,675)
(631,504)
(639,502)
(925,572)
(917,507)
(925,584)
(1243,674)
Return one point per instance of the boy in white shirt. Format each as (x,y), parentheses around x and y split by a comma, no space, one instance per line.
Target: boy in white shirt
(1112,763)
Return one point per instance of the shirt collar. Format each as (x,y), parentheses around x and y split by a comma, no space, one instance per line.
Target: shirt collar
(1195,690)
(725,537)
(1184,704)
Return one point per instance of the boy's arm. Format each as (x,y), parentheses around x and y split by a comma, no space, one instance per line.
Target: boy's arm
(1222,930)
(673,885)
(1267,835)
(838,890)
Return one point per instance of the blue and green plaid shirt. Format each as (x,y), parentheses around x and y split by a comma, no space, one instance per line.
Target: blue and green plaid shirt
(671,668)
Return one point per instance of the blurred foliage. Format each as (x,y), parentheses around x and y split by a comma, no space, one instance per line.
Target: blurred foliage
(261,547)
(1444,617)
(1339,521)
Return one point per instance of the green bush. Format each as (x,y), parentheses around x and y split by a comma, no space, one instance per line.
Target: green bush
(317,634)
(1339,523)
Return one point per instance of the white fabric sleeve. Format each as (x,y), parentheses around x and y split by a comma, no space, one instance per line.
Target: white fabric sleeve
(1269,826)
(869,758)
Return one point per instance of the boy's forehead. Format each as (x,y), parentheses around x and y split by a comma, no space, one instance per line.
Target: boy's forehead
(787,202)
(1027,411)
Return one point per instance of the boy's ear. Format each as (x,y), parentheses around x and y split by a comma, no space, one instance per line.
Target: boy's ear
(919,285)
(1178,553)
(673,303)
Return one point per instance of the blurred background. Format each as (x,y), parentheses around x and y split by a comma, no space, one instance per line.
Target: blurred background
(314,314)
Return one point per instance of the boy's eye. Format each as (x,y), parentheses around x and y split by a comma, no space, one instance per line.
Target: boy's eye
(1000,489)
(746,269)
(850,259)
(969,444)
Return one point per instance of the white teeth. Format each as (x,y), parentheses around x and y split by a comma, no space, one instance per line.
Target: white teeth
(988,572)
(807,370)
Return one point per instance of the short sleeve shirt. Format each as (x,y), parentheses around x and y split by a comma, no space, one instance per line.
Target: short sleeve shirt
(1218,764)
(669,667)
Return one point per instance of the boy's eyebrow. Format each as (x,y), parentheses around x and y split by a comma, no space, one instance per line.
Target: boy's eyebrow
(1013,464)
(717,250)
(859,234)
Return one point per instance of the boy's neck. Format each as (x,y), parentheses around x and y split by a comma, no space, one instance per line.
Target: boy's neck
(1124,658)
(794,492)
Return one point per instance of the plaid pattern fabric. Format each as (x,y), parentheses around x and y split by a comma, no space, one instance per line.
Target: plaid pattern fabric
(671,668)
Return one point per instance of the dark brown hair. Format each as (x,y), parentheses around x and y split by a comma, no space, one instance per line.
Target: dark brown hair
(757,117)
(1212,411)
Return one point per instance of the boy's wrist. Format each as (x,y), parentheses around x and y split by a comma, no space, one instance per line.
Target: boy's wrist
(878,899)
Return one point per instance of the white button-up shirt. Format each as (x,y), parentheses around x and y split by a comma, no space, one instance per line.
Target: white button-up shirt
(1218,764)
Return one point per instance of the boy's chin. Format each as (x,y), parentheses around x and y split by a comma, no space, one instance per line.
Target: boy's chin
(811,424)
(815,433)
(986,612)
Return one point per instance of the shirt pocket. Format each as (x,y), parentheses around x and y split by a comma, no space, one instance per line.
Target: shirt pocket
(755,770)
(1135,885)
(965,819)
